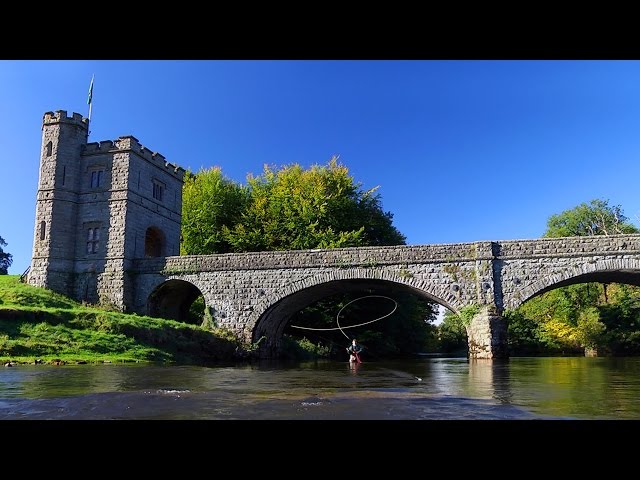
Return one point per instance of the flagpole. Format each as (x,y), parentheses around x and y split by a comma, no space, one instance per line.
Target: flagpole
(90,102)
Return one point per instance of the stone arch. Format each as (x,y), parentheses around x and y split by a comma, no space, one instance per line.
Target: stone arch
(172,299)
(154,242)
(617,270)
(271,315)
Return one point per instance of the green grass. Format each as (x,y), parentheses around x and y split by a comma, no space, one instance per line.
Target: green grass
(38,324)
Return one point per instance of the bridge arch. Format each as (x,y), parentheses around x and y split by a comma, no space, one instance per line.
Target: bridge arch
(622,270)
(270,318)
(172,299)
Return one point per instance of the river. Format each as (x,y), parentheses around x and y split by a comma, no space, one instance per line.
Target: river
(568,388)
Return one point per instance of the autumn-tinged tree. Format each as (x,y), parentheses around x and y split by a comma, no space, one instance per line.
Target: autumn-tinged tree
(6,259)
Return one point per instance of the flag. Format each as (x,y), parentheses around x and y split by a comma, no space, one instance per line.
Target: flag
(90,91)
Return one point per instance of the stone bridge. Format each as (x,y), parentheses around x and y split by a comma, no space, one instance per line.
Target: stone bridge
(255,294)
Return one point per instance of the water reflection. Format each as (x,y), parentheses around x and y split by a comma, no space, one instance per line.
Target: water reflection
(354,366)
(432,388)
(490,378)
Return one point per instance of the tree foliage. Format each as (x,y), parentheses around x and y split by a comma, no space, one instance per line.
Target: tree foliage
(524,334)
(594,218)
(452,333)
(290,208)
(590,329)
(210,202)
(321,207)
(6,259)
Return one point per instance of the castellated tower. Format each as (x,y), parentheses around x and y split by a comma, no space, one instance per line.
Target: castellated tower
(99,206)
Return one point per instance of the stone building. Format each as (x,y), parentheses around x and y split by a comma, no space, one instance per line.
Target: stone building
(99,206)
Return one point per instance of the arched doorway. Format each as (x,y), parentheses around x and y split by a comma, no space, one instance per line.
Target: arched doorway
(154,242)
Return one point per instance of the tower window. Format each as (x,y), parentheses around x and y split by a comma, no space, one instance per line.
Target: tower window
(158,190)
(49,149)
(93,239)
(96,178)
(43,229)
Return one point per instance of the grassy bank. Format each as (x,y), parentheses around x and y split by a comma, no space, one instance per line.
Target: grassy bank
(37,324)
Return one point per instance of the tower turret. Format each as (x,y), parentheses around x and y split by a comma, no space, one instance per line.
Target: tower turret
(54,240)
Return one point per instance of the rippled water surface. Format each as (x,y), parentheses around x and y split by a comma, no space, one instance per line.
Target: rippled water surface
(426,388)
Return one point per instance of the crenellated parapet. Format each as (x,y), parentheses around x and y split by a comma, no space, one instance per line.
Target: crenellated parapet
(61,116)
(131,144)
(95,148)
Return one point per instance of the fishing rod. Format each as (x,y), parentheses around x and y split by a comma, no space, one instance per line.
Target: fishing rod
(342,329)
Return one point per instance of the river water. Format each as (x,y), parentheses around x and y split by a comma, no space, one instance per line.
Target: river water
(418,389)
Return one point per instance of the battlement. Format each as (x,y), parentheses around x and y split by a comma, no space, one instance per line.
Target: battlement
(127,142)
(131,143)
(104,146)
(61,116)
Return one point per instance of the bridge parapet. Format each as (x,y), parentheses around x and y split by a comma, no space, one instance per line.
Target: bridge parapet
(337,257)
(568,246)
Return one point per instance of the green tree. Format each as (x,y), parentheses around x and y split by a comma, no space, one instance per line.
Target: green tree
(452,333)
(321,207)
(621,317)
(523,333)
(6,259)
(210,202)
(590,329)
(593,218)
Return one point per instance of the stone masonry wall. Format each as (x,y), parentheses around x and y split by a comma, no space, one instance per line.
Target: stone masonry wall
(132,210)
(487,334)
(240,287)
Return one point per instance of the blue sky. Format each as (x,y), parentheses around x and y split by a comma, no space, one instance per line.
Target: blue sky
(462,150)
